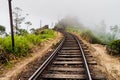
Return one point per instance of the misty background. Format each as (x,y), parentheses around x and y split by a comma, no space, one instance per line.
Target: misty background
(89,12)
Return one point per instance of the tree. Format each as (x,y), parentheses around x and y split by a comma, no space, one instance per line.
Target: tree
(18,19)
(2,30)
(28,23)
(115,30)
(32,30)
(23,32)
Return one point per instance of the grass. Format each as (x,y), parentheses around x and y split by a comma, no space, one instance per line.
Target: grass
(72,29)
(23,44)
(90,37)
(85,34)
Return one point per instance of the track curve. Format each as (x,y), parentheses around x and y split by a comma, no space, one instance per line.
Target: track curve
(68,61)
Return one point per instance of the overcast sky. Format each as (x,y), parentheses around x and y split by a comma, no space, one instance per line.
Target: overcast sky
(89,12)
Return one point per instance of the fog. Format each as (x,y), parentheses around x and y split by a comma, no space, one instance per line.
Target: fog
(89,12)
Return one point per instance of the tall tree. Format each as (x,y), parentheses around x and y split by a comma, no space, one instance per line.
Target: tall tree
(115,30)
(18,19)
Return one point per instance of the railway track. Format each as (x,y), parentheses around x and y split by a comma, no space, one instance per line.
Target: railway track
(70,61)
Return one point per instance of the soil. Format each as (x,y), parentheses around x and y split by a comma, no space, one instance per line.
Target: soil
(107,63)
(37,55)
(110,63)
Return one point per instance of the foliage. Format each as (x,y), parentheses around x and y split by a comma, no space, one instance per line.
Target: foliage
(35,39)
(28,23)
(115,45)
(23,32)
(2,29)
(73,29)
(19,19)
(32,30)
(47,34)
(85,34)
(89,36)
(40,30)
(23,43)
(115,31)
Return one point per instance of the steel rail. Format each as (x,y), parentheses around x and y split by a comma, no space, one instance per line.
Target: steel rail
(85,61)
(46,63)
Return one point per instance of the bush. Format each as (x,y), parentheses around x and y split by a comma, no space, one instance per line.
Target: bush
(89,36)
(47,34)
(1,41)
(115,46)
(44,35)
(21,45)
(35,39)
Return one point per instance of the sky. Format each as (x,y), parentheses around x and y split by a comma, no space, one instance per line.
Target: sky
(89,12)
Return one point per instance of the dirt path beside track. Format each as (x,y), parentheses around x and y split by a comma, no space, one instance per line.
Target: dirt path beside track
(38,53)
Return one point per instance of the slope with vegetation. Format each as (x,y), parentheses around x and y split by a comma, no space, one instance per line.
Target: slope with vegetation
(97,35)
(24,40)
(23,44)
(101,44)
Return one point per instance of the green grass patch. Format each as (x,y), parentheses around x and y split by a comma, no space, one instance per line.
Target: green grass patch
(73,29)
(23,44)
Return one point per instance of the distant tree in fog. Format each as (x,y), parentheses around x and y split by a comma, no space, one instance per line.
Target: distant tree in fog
(28,24)
(115,31)
(100,29)
(2,29)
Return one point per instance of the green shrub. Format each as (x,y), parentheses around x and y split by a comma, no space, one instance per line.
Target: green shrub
(47,34)
(6,44)
(115,46)
(21,45)
(1,41)
(89,36)
(35,39)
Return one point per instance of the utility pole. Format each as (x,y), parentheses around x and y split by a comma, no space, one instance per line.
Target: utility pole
(11,23)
